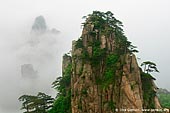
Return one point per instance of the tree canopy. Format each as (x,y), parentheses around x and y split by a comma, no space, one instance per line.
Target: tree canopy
(40,103)
(149,67)
(62,103)
(104,23)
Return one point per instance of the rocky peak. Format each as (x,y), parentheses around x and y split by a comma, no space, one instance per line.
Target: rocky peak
(66,63)
(27,71)
(39,25)
(105,75)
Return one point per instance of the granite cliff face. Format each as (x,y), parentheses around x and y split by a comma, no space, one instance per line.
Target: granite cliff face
(105,75)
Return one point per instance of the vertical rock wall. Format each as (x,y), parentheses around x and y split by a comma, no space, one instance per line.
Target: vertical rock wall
(89,96)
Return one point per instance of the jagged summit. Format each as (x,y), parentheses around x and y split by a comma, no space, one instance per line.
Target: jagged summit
(104,74)
(39,25)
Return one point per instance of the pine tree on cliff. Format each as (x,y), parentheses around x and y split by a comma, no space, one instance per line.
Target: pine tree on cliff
(149,67)
(36,104)
(62,85)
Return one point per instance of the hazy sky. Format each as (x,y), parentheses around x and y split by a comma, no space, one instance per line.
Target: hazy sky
(146,24)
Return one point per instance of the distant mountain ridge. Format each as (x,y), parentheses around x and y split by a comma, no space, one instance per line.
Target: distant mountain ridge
(164,97)
(162,90)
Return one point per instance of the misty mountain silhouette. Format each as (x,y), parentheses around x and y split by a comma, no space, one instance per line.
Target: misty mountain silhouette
(39,25)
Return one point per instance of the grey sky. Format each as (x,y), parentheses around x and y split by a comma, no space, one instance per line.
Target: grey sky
(146,24)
